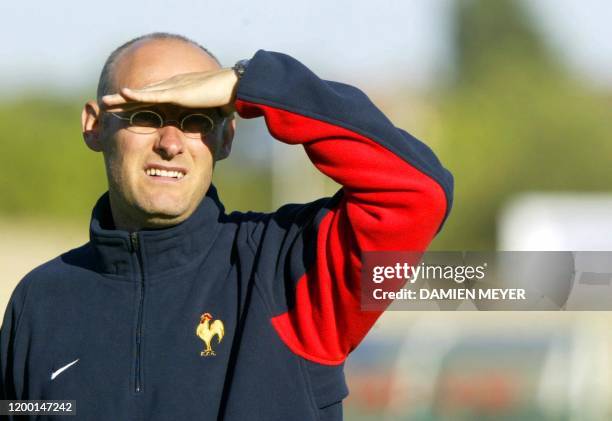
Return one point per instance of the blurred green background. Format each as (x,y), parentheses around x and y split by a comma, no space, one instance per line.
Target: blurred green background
(507,117)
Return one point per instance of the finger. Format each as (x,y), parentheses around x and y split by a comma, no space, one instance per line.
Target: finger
(158,86)
(151,96)
(116,102)
(128,106)
(113,99)
(163,85)
(175,82)
(178,80)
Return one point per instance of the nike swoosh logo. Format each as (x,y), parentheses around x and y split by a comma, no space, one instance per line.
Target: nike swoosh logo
(64,368)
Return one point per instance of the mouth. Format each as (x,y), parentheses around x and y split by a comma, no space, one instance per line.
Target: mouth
(162,173)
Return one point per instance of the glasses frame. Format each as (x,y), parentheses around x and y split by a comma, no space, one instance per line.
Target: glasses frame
(164,122)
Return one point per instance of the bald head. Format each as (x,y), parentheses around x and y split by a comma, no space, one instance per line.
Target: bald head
(154,57)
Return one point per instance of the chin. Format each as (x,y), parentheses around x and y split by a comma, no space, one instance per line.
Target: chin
(166,208)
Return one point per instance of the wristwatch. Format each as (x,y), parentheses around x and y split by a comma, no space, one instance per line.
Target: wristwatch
(240,68)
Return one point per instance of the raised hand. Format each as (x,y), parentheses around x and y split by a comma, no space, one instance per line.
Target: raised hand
(212,89)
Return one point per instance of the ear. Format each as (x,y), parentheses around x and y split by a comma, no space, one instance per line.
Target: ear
(227,134)
(90,124)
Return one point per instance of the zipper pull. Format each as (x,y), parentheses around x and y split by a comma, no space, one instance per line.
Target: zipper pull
(134,241)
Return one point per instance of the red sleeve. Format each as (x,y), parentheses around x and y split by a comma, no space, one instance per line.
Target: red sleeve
(393,198)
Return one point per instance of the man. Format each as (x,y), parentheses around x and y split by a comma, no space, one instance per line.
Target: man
(175,310)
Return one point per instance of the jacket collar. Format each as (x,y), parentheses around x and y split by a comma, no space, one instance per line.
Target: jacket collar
(158,252)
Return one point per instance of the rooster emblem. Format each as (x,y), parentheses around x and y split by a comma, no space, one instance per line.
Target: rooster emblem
(207,331)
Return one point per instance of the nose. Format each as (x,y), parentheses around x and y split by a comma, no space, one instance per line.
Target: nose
(170,142)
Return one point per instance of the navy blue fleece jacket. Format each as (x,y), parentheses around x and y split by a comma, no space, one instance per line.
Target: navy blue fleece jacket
(246,316)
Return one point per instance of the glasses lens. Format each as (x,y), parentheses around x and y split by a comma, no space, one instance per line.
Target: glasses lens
(145,122)
(197,125)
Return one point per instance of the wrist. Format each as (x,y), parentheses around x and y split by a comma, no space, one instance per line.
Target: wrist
(232,87)
(235,73)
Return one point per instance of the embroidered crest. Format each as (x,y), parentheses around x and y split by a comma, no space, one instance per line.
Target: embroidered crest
(207,331)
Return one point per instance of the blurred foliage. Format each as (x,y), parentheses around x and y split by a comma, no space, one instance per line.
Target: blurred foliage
(49,170)
(511,121)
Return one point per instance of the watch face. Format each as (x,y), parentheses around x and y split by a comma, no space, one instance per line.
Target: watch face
(240,67)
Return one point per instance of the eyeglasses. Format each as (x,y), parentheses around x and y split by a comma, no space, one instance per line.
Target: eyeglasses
(195,125)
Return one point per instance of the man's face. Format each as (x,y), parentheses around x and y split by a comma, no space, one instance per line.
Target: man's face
(142,199)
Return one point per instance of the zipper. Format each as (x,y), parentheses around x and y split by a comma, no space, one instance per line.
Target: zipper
(136,249)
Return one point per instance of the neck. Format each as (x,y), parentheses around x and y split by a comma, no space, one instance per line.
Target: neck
(123,222)
(122,219)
